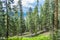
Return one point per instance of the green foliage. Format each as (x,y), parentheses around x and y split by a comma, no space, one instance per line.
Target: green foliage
(2,21)
(16,24)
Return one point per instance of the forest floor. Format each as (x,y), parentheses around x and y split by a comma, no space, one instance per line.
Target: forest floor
(28,34)
(46,33)
(43,36)
(38,33)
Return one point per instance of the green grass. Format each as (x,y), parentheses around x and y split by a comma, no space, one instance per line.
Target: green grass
(40,37)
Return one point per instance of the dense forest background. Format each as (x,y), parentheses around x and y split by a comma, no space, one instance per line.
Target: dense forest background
(41,19)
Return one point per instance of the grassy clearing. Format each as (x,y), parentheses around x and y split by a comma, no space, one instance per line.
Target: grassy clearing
(40,37)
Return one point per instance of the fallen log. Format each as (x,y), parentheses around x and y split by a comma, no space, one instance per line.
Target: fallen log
(33,35)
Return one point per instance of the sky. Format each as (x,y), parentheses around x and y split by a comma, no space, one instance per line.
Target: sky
(29,3)
(26,4)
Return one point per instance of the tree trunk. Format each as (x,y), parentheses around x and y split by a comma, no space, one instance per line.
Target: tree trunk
(56,19)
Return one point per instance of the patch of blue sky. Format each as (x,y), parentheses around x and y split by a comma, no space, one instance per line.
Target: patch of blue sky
(32,5)
(26,4)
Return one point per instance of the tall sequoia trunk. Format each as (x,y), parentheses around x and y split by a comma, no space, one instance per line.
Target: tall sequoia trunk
(56,14)
(55,20)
